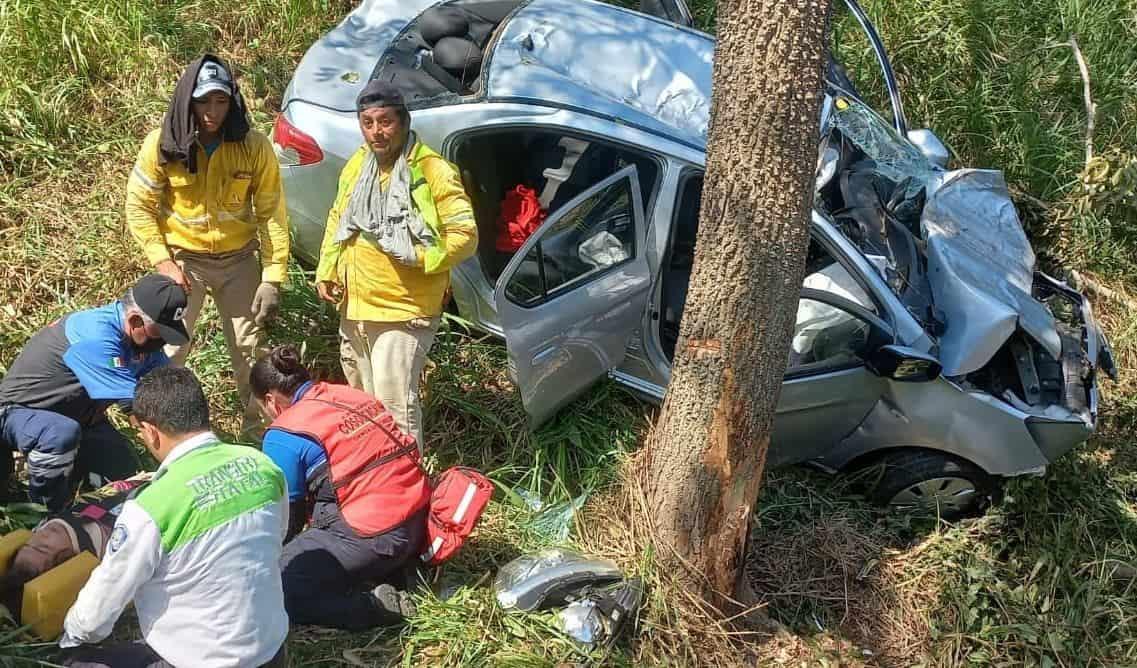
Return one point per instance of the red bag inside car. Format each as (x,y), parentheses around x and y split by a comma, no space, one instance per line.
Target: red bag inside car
(521,215)
(457,503)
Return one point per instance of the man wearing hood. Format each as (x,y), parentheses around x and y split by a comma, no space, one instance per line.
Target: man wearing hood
(204,201)
(400,221)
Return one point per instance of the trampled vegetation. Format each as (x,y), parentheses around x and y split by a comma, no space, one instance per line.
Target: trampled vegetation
(1047,577)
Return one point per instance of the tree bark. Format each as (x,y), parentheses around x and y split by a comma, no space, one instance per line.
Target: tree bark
(703,464)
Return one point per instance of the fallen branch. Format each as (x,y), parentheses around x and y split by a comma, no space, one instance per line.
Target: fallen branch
(1091,108)
(1103,291)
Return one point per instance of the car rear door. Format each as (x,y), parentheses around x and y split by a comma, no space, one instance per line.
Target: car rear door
(571,297)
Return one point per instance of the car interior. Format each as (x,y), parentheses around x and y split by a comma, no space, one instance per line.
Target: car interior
(824,335)
(440,52)
(556,165)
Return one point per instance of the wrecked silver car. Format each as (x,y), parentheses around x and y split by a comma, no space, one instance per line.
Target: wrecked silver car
(927,345)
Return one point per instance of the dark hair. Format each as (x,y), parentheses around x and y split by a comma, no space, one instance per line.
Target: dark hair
(279,370)
(171,399)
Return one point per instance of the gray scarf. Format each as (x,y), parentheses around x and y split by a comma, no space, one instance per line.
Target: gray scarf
(377,212)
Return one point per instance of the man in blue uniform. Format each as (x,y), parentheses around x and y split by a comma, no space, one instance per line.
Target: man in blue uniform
(53,400)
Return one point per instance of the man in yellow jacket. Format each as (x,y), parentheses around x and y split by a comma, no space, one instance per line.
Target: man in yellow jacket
(400,221)
(204,201)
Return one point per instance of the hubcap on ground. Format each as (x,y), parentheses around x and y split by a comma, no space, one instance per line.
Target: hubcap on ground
(948,493)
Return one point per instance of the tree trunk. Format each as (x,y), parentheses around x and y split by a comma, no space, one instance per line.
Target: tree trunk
(703,463)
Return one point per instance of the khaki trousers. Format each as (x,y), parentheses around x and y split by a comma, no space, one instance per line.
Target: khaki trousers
(386,359)
(231,279)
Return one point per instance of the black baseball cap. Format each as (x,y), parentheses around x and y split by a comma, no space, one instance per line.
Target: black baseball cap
(379,94)
(164,301)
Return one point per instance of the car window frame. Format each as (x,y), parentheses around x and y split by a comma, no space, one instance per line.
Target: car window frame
(686,175)
(689,172)
(879,328)
(851,268)
(548,295)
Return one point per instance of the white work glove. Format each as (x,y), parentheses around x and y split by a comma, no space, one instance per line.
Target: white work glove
(395,240)
(266,303)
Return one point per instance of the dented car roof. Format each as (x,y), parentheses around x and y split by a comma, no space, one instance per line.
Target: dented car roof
(614,62)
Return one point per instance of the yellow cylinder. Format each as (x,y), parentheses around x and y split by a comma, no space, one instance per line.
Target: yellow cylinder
(48,597)
(9,544)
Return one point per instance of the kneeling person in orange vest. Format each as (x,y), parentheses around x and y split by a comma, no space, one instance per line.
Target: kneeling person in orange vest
(197,551)
(356,478)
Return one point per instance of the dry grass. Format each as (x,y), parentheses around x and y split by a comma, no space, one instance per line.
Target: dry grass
(868,589)
(675,626)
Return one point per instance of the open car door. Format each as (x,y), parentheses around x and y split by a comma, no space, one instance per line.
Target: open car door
(574,293)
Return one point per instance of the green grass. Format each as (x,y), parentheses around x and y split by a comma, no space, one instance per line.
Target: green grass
(1045,578)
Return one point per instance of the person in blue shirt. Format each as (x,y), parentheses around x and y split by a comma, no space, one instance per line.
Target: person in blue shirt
(53,400)
(302,460)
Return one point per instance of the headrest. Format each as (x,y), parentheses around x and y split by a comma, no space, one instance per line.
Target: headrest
(458,56)
(438,22)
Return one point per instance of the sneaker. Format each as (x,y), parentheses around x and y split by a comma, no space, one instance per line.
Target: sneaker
(394,601)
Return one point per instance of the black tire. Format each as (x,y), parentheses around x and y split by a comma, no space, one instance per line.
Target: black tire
(930,482)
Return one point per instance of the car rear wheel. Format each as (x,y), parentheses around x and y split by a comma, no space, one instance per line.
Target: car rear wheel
(932,483)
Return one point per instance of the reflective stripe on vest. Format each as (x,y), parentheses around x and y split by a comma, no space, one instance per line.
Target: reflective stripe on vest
(420,189)
(372,466)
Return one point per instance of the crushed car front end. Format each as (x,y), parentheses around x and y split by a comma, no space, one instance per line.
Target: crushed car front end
(1059,395)
(1020,348)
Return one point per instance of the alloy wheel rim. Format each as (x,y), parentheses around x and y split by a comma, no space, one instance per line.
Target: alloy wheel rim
(946,493)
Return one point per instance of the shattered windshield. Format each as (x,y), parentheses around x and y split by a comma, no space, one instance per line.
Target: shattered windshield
(895,157)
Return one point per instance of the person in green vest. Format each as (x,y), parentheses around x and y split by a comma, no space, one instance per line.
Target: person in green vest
(400,221)
(197,551)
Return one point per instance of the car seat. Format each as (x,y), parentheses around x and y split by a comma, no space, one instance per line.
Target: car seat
(455,37)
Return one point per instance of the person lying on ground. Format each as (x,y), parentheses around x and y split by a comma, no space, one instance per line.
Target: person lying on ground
(357,476)
(53,400)
(85,526)
(205,203)
(197,551)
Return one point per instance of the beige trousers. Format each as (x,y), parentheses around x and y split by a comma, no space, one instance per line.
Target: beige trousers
(386,359)
(231,279)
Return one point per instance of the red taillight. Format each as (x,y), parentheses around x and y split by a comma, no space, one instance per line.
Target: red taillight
(293,147)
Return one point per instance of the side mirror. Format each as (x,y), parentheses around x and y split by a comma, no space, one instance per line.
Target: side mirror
(930,145)
(903,364)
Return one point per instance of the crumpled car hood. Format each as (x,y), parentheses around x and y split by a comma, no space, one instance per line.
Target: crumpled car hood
(981,268)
